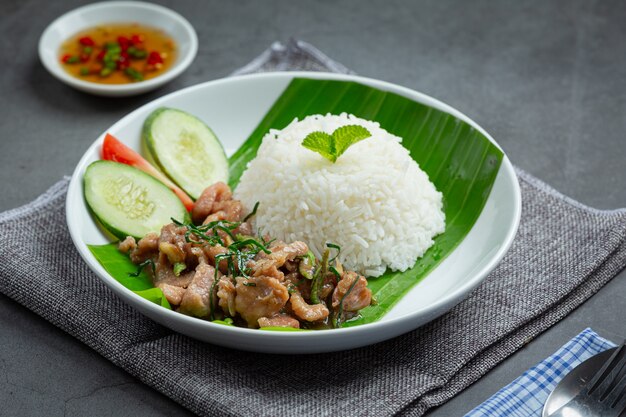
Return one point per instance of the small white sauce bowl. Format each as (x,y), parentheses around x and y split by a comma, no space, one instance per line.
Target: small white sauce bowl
(82,18)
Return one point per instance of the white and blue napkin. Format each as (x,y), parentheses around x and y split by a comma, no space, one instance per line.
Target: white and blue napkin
(525,396)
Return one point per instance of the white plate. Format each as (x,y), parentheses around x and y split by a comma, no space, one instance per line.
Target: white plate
(95,14)
(233,107)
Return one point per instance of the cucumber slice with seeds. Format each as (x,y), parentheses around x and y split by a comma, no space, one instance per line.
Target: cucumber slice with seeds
(186,149)
(129,202)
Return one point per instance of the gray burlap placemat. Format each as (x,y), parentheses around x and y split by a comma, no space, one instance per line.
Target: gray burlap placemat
(564,252)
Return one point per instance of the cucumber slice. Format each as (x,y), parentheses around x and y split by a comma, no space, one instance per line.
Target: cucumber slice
(129,202)
(186,149)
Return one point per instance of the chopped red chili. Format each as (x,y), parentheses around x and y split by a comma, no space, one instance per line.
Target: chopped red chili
(86,41)
(101,55)
(154,58)
(136,39)
(124,42)
(123,61)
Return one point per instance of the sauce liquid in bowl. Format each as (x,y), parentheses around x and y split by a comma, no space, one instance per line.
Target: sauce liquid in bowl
(118,53)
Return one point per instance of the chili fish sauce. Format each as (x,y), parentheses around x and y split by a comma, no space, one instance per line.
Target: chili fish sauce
(118,53)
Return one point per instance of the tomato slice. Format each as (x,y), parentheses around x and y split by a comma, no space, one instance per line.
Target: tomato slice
(114,150)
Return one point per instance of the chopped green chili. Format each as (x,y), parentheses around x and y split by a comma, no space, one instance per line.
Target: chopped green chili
(179,267)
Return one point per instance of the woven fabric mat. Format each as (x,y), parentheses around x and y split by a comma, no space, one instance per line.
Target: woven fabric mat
(564,252)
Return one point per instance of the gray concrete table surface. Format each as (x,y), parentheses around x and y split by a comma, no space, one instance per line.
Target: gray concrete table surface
(546,79)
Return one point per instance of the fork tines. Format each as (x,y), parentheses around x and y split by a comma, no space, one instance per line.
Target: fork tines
(608,385)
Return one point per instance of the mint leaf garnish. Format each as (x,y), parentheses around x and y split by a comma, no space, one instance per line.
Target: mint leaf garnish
(321,143)
(347,136)
(333,146)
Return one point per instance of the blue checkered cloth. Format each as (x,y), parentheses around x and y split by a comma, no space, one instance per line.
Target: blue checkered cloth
(525,396)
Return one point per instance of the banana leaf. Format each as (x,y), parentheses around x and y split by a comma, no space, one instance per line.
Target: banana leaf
(459,160)
(120,267)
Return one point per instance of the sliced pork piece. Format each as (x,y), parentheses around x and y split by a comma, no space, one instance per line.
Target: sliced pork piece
(268,263)
(227,211)
(307,312)
(172,242)
(230,210)
(259,297)
(147,248)
(196,300)
(210,197)
(328,285)
(282,252)
(172,293)
(226,294)
(359,297)
(165,275)
(174,253)
(291,266)
(127,245)
(295,281)
(245,229)
(212,251)
(279,320)
(268,269)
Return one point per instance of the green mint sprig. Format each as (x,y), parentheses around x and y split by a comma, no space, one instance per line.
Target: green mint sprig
(333,146)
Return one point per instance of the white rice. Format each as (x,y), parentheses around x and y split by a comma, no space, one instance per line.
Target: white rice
(375,202)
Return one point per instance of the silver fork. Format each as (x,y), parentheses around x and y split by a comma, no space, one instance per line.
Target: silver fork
(605,394)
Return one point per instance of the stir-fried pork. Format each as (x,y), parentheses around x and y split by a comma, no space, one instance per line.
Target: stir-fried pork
(127,245)
(209,201)
(145,249)
(259,297)
(283,288)
(268,264)
(164,273)
(280,320)
(359,297)
(197,299)
(226,294)
(308,312)
(172,293)
(213,251)
(172,242)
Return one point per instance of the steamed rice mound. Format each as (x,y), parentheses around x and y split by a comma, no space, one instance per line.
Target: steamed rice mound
(374,201)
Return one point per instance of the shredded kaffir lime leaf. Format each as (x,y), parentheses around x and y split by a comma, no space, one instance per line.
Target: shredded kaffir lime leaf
(333,146)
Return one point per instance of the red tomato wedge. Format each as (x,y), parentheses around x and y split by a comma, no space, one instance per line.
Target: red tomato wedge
(116,151)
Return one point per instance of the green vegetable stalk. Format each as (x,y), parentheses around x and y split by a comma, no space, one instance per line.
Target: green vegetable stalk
(319,277)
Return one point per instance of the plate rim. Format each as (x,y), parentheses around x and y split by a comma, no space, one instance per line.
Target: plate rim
(435,309)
